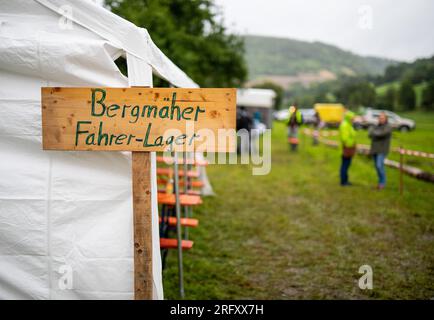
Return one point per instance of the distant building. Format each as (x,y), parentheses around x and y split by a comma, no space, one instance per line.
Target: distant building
(257,101)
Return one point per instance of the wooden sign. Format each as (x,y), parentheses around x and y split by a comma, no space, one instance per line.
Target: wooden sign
(136,119)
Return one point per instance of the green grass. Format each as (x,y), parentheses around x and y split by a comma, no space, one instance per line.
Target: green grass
(296,234)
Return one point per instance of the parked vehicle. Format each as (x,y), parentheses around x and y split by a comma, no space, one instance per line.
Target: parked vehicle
(281,115)
(308,116)
(330,113)
(370,118)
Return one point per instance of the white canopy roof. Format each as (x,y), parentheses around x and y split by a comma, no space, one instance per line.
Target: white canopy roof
(116,31)
(263,98)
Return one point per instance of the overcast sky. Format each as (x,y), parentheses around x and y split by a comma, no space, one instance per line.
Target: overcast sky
(398,29)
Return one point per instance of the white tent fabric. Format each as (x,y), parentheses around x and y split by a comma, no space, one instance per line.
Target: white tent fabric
(66,217)
(263,98)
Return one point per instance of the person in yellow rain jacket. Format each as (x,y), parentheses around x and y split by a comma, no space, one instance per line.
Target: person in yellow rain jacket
(294,121)
(347,136)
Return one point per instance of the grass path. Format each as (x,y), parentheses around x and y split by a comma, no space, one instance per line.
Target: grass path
(296,234)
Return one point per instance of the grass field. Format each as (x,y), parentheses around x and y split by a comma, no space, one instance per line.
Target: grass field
(296,234)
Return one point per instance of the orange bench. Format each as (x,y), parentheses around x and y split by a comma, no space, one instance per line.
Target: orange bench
(194,184)
(194,192)
(168,171)
(190,192)
(169,243)
(185,199)
(185,222)
(170,160)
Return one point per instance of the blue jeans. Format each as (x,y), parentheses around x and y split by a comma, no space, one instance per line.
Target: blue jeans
(345,165)
(379,166)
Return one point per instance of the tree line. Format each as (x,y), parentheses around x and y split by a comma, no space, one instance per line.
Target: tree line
(192,34)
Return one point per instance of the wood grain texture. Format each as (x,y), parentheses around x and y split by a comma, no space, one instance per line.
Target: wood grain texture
(134,119)
(142,208)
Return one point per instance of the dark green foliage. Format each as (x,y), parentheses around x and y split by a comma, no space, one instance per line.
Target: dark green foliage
(356,93)
(306,97)
(407,95)
(419,71)
(191,34)
(390,98)
(388,101)
(428,96)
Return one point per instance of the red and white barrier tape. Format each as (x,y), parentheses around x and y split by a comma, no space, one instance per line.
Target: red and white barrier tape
(364,147)
(414,153)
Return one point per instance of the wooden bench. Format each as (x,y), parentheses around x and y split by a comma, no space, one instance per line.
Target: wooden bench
(168,171)
(194,184)
(185,222)
(193,162)
(190,192)
(184,199)
(169,243)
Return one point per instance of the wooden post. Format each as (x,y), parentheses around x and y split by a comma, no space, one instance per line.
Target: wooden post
(142,213)
(142,208)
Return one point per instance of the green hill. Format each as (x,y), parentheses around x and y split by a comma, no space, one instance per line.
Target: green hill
(268,56)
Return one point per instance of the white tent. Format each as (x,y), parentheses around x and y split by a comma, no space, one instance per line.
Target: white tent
(66,217)
(251,97)
(257,100)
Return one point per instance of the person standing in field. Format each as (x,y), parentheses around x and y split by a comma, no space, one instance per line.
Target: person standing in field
(245,124)
(380,144)
(316,128)
(254,143)
(347,136)
(294,121)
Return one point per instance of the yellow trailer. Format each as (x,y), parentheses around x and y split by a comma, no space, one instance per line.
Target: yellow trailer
(330,113)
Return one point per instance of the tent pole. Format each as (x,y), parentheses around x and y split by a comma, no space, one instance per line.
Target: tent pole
(178,225)
(184,157)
